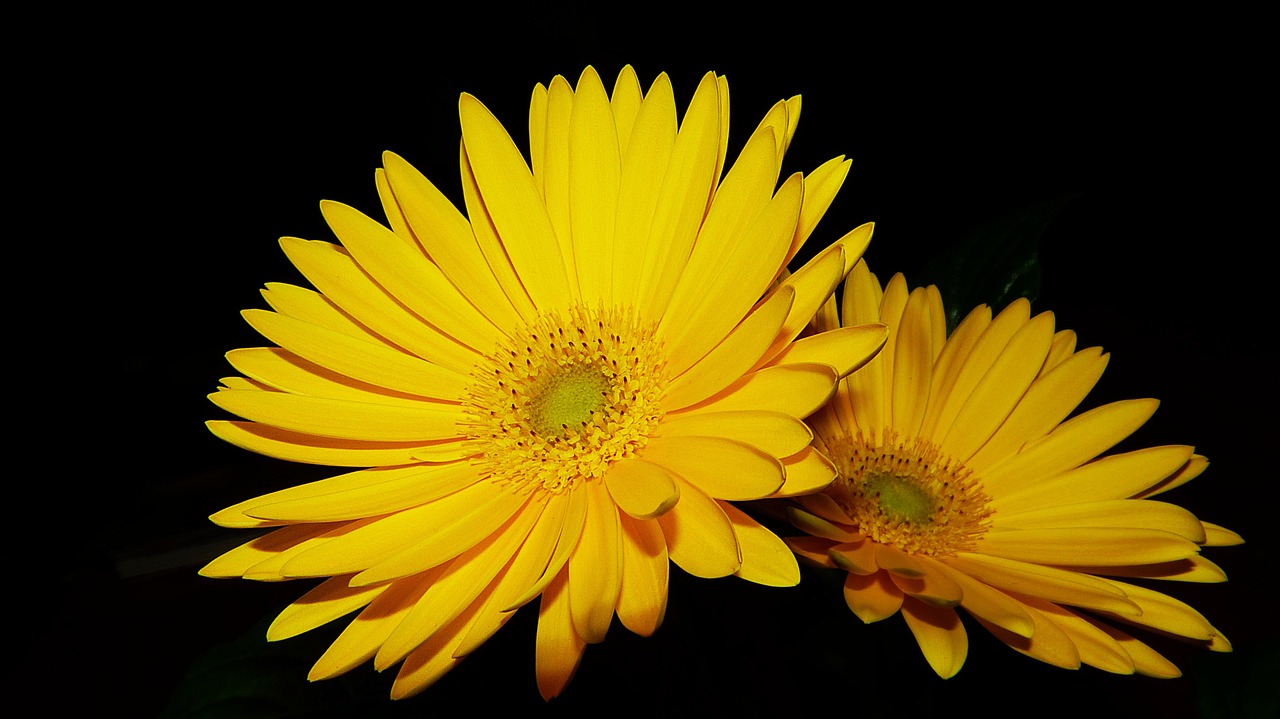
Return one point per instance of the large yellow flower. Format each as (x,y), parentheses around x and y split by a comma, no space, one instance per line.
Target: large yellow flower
(554,395)
(961,485)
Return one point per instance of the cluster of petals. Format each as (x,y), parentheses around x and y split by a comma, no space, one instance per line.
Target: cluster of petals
(624,256)
(1042,538)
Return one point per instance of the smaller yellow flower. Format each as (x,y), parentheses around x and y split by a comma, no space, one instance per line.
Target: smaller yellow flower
(961,485)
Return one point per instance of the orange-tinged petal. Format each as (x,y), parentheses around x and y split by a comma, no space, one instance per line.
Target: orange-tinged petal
(872,597)
(1111,477)
(1048,583)
(1099,546)
(939,633)
(1074,442)
(990,604)
(1048,642)
(1117,513)
(857,557)
(934,587)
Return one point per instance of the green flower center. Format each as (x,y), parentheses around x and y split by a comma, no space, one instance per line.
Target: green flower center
(565,397)
(567,400)
(907,494)
(900,498)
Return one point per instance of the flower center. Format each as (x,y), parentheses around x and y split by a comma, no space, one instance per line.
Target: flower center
(564,397)
(907,494)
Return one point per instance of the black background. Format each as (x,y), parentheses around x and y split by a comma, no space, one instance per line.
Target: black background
(167,159)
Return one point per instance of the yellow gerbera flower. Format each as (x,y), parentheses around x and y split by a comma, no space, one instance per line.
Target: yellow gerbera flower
(553,395)
(961,485)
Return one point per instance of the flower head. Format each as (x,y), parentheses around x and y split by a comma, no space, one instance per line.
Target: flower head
(552,396)
(961,485)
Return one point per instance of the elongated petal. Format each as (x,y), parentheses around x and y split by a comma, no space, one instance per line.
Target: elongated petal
(514,205)
(700,537)
(343,419)
(723,468)
(642,602)
(794,389)
(940,634)
(559,647)
(1093,545)
(1048,583)
(595,568)
(765,558)
(781,435)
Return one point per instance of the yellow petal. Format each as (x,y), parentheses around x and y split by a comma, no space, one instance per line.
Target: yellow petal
(996,394)
(858,557)
(1096,546)
(820,188)
(644,165)
(1118,513)
(812,550)
(361,548)
(309,449)
(806,471)
(329,600)
(1164,613)
(515,206)
(1074,442)
(723,468)
(333,271)
(367,493)
(990,604)
(1096,647)
(314,308)
(642,603)
(1047,642)
(847,349)
(872,597)
(795,389)
(779,434)
(954,391)
(734,356)
(357,359)
(934,586)
(1047,402)
(1111,477)
(409,276)
(342,419)
(456,590)
(700,537)
(595,169)
(711,302)
(447,239)
(940,634)
(595,567)
(509,514)
(682,200)
(359,642)
(1048,583)
(559,648)
(486,235)
(766,559)
(913,355)
(641,489)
